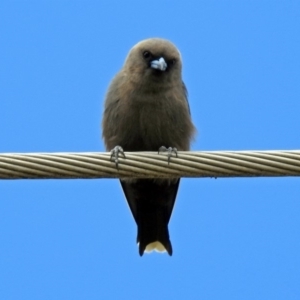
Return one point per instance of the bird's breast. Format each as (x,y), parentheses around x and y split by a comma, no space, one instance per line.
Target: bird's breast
(151,123)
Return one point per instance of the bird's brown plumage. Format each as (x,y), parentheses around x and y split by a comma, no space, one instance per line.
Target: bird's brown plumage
(146,108)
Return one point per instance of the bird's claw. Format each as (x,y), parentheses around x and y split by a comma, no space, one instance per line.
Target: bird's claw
(170,150)
(114,156)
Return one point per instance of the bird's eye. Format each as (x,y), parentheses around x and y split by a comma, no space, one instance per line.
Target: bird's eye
(172,62)
(147,54)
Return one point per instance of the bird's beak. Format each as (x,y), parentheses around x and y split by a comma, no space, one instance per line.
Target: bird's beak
(159,64)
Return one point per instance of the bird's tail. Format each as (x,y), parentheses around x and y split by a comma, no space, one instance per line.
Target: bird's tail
(151,203)
(153,233)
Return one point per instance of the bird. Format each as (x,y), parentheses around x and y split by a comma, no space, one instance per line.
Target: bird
(146,109)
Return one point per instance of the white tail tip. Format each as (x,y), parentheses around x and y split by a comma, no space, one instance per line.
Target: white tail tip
(156,246)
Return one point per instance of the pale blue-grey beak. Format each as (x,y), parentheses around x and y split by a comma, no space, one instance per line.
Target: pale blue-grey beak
(159,64)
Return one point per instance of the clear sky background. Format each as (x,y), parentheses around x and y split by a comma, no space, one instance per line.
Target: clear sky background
(75,239)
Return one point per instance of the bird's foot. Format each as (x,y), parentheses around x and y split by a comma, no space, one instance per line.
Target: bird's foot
(115,154)
(170,150)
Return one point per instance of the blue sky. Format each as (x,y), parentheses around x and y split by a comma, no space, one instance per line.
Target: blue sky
(75,239)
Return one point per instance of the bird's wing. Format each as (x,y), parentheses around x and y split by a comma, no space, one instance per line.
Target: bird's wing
(150,191)
(186,96)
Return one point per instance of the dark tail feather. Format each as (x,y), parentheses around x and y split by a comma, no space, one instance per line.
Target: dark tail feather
(151,203)
(153,233)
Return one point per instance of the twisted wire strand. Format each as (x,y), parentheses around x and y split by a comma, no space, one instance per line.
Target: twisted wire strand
(150,165)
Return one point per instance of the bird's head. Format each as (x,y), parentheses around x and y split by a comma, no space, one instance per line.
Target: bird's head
(154,61)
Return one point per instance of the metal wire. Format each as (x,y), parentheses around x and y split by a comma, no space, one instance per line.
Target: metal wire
(150,165)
